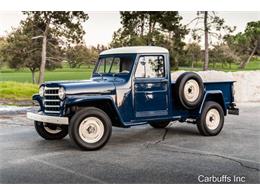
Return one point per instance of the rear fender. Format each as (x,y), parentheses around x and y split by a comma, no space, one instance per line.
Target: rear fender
(216,96)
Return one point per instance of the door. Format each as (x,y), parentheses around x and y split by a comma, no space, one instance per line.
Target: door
(150,87)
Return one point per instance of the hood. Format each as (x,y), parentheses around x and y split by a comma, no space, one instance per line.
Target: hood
(84,87)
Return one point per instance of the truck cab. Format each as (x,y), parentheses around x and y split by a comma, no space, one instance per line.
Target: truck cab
(130,86)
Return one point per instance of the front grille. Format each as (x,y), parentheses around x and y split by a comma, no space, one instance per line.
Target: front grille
(52,103)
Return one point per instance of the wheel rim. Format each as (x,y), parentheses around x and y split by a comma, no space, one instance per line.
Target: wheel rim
(191,90)
(51,131)
(91,130)
(212,119)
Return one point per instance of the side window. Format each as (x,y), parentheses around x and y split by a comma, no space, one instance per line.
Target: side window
(150,67)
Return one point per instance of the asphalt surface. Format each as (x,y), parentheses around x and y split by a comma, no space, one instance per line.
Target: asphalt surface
(177,154)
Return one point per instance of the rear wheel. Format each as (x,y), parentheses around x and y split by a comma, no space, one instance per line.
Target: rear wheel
(160,124)
(211,120)
(50,131)
(90,128)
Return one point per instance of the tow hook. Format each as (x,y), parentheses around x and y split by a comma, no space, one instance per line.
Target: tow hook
(233,110)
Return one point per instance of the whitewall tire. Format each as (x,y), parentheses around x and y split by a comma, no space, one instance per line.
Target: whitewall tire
(51,131)
(90,128)
(211,120)
(189,90)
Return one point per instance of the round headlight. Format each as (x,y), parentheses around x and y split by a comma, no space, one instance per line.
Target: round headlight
(61,93)
(41,91)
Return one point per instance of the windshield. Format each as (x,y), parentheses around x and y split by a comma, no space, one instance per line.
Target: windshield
(114,64)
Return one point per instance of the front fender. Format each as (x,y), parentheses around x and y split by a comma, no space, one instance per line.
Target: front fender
(216,96)
(37,97)
(76,100)
(81,100)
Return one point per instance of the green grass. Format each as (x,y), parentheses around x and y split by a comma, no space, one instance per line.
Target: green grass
(84,72)
(17,91)
(16,85)
(26,76)
(252,65)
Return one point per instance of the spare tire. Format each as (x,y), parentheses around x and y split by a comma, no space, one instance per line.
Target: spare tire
(189,90)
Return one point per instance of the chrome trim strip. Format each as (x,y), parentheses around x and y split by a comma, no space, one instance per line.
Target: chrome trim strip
(52,106)
(51,100)
(51,94)
(52,111)
(50,88)
(48,119)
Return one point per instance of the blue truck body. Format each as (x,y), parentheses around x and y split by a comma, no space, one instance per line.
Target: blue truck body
(129,100)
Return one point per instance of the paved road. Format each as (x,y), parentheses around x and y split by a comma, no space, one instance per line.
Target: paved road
(177,154)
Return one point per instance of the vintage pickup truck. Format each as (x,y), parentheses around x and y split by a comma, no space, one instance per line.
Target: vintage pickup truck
(130,86)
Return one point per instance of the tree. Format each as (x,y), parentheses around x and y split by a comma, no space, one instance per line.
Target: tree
(152,28)
(62,25)
(223,54)
(81,55)
(212,26)
(99,48)
(2,45)
(193,53)
(21,51)
(175,33)
(246,44)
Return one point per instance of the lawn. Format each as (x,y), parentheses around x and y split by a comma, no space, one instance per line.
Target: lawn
(252,65)
(82,73)
(16,85)
(17,91)
(59,74)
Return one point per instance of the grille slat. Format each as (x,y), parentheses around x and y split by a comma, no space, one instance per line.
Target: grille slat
(52,103)
(48,111)
(52,100)
(51,106)
(50,94)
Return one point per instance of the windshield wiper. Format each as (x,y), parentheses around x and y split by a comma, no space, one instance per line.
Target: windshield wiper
(101,75)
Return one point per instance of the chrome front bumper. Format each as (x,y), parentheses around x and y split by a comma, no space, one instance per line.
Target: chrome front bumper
(48,119)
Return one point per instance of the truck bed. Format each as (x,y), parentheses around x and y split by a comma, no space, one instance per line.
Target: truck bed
(224,86)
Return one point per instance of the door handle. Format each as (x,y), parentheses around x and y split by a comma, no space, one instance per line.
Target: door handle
(164,80)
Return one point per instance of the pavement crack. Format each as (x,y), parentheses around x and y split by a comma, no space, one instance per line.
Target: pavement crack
(234,160)
(216,155)
(227,158)
(163,137)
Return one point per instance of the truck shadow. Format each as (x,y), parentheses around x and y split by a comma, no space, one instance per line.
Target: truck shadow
(187,130)
(139,136)
(125,137)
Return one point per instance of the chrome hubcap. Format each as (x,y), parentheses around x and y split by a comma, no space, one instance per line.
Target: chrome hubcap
(91,130)
(212,119)
(191,90)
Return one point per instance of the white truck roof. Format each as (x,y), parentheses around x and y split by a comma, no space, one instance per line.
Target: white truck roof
(135,49)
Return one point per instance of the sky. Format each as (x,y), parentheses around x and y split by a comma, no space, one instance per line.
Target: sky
(101,25)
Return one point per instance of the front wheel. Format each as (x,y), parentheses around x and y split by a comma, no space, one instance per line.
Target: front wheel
(51,131)
(211,120)
(90,128)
